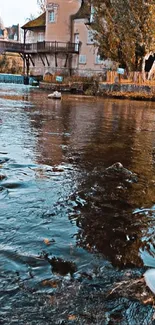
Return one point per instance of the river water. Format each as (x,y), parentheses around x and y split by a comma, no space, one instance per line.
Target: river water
(64,214)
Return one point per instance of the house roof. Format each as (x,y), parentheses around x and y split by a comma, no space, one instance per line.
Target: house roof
(36,23)
(84,11)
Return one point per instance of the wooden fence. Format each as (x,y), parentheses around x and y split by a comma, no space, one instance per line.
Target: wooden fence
(134,77)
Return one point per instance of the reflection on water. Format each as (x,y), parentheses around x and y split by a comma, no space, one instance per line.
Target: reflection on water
(57,196)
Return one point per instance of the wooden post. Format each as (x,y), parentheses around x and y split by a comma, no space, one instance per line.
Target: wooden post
(24,55)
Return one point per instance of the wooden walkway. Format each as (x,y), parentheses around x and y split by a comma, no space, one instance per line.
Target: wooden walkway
(39,47)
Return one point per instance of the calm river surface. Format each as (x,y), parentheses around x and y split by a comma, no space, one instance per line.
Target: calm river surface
(59,199)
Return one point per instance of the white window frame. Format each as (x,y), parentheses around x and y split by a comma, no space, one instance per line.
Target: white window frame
(98,60)
(15,37)
(41,37)
(76,41)
(82,59)
(90,37)
(51,16)
(92,12)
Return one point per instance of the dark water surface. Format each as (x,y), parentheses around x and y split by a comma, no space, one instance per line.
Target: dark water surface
(58,199)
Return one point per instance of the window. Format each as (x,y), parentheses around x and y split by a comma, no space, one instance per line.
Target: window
(76,41)
(40,37)
(98,60)
(51,16)
(82,59)
(15,37)
(92,12)
(90,36)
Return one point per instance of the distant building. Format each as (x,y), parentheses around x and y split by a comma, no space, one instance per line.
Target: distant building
(13,33)
(63,40)
(10,62)
(9,33)
(2,29)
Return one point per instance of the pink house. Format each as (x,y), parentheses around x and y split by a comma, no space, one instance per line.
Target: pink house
(61,41)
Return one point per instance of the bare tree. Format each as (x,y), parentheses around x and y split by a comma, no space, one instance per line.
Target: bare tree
(42,5)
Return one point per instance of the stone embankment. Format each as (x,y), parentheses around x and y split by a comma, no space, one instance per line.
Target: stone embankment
(128,91)
(104,89)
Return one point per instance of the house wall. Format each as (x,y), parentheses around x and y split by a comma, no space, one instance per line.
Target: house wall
(41,69)
(88,61)
(60,30)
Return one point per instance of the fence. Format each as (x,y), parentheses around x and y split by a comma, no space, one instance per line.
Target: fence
(135,77)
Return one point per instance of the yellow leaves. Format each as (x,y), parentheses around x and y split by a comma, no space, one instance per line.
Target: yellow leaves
(47,241)
(148,301)
(89,248)
(58,169)
(72,317)
(127,24)
(50,283)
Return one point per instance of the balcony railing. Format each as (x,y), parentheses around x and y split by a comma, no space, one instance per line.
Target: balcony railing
(6,46)
(39,47)
(51,47)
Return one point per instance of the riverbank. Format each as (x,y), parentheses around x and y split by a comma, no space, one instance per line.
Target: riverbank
(127,91)
(103,89)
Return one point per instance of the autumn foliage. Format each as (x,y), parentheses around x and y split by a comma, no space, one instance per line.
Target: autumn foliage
(124,30)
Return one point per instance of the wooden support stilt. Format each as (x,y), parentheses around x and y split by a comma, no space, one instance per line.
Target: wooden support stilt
(27,65)
(65,65)
(56,62)
(41,59)
(30,57)
(47,60)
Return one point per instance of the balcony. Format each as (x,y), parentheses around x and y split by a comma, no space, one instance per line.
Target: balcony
(39,47)
(51,47)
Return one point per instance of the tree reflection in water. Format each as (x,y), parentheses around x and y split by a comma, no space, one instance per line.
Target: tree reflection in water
(108,221)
